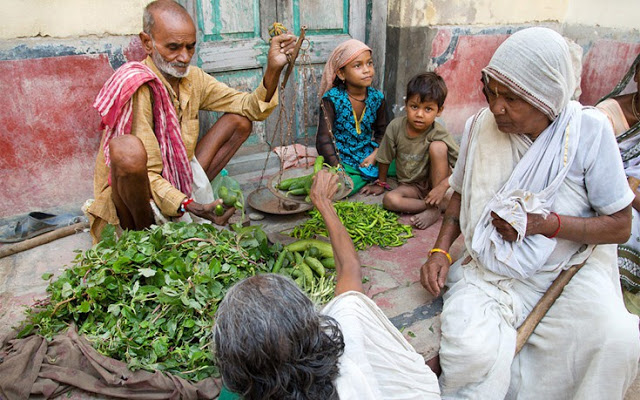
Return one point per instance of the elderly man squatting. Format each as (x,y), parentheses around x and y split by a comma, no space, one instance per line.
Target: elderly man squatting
(157,101)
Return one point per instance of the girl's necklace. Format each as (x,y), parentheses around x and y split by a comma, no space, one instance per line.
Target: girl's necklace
(633,107)
(353,98)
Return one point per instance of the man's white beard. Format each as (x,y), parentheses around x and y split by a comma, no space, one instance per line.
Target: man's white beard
(169,68)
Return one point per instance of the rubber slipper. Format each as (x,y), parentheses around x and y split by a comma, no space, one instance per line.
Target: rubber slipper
(34,224)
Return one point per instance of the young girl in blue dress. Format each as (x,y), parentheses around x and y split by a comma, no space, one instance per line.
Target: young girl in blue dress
(352,113)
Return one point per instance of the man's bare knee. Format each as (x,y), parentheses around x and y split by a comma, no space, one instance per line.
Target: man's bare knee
(244,126)
(128,155)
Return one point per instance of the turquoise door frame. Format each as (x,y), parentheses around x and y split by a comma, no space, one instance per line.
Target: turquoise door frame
(233,42)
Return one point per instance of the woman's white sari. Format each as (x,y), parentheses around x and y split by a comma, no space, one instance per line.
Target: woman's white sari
(587,345)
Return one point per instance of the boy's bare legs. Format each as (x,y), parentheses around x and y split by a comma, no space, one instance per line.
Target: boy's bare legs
(438,197)
(221,142)
(407,198)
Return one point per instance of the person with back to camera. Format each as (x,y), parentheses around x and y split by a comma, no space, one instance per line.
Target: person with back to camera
(624,114)
(272,343)
(538,187)
(424,152)
(352,116)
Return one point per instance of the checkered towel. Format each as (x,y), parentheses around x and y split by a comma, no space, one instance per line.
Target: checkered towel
(114,105)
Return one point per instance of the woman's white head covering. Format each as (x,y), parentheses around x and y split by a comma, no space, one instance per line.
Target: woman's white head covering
(538,65)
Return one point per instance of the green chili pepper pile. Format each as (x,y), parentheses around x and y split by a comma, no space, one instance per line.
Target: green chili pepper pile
(149,298)
(367,224)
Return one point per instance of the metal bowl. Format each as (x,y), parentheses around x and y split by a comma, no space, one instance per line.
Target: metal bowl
(264,200)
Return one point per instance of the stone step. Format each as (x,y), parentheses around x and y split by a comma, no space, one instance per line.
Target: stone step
(252,162)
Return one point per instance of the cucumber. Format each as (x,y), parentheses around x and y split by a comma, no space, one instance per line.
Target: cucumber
(317,166)
(313,251)
(315,265)
(306,272)
(329,262)
(325,249)
(286,184)
(279,261)
(297,256)
(297,191)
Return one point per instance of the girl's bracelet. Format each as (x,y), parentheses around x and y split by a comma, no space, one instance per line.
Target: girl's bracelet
(384,185)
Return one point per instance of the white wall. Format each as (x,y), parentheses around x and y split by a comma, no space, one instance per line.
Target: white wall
(70,18)
(623,14)
(416,13)
(608,13)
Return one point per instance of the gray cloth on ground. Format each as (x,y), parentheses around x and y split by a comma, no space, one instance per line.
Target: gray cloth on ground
(33,366)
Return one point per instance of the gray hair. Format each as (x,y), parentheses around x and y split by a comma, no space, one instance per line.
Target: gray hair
(271,343)
(148,20)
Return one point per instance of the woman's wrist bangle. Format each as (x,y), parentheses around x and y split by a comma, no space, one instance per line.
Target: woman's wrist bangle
(437,250)
(559,225)
(384,185)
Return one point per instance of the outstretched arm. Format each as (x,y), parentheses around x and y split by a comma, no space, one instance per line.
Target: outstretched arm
(325,185)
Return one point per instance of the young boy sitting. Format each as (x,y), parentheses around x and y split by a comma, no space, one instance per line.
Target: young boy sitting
(424,151)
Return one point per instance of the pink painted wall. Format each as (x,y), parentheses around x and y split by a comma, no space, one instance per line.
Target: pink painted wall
(604,64)
(462,72)
(49,131)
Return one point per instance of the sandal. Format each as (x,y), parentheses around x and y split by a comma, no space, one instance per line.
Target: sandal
(34,224)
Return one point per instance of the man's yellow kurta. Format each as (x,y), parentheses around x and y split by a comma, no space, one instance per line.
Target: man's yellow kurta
(198,91)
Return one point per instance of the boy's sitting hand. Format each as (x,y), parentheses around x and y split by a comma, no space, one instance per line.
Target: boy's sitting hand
(372,189)
(436,195)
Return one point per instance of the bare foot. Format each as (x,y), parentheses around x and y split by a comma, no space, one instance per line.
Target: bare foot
(426,218)
(434,364)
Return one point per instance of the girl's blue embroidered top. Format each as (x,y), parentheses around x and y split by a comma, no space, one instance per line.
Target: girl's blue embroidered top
(355,138)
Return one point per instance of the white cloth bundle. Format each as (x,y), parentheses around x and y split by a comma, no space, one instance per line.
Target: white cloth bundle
(531,188)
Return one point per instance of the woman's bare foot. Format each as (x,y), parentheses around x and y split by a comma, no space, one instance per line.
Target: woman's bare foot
(426,218)
(434,364)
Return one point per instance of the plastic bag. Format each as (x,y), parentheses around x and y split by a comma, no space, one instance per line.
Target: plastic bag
(223,179)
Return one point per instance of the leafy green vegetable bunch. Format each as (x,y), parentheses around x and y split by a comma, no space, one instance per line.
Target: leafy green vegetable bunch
(149,298)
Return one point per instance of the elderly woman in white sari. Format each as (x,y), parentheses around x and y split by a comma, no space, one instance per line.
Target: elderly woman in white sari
(539,183)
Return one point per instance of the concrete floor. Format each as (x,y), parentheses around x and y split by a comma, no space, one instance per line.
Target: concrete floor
(393,280)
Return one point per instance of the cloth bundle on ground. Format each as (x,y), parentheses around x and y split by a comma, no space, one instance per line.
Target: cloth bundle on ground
(33,366)
(296,155)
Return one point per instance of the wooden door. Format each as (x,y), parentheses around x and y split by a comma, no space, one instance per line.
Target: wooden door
(233,42)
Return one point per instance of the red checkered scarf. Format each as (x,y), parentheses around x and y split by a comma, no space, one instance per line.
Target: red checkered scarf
(114,105)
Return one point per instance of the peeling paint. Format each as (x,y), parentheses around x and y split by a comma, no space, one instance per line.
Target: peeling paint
(50,132)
